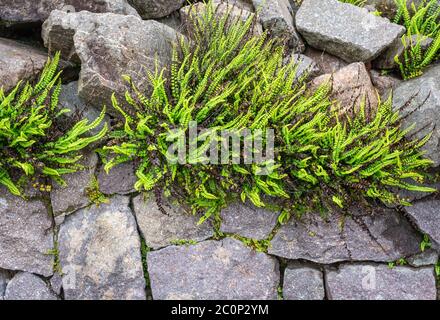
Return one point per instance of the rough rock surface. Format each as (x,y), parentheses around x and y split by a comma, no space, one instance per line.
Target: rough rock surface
(18,62)
(4,278)
(326,62)
(120,179)
(220,270)
(17,12)
(108,46)
(347,31)
(248,221)
(151,9)
(67,199)
(350,85)
(427,258)
(384,84)
(423,94)
(426,215)
(383,235)
(27,286)
(25,235)
(163,227)
(276,17)
(306,66)
(302,282)
(69,99)
(100,253)
(379,282)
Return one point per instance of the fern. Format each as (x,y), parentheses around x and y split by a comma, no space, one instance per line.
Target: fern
(228,78)
(33,148)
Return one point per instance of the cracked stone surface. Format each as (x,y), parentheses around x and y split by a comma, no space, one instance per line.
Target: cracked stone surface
(426,215)
(303,282)
(383,235)
(344,30)
(100,253)
(212,270)
(107,46)
(306,66)
(427,258)
(161,228)
(151,9)
(27,286)
(25,235)
(67,199)
(422,94)
(379,282)
(119,180)
(248,221)
(4,279)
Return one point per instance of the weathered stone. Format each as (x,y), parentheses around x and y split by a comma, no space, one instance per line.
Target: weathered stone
(276,18)
(109,46)
(326,62)
(152,9)
(18,12)
(19,62)
(248,221)
(429,257)
(220,270)
(302,282)
(27,286)
(306,67)
(100,255)
(56,283)
(25,235)
(344,30)
(382,235)
(4,279)
(350,86)
(73,196)
(418,101)
(387,59)
(379,282)
(235,12)
(384,84)
(79,110)
(120,179)
(163,224)
(426,215)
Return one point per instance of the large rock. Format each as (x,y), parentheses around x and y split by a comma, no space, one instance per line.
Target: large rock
(326,62)
(100,253)
(276,17)
(347,31)
(19,12)
(350,86)
(79,110)
(379,282)
(109,46)
(19,62)
(426,215)
(74,196)
(25,235)
(220,270)
(418,101)
(27,286)
(383,235)
(306,67)
(248,221)
(302,282)
(153,9)
(164,223)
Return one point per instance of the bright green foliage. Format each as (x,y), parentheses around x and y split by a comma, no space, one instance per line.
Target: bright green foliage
(226,78)
(32,147)
(422,21)
(359,3)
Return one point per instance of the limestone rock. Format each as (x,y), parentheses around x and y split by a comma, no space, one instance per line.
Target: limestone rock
(161,228)
(220,270)
(27,286)
(100,253)
(344,30)
(379,282)
(25,235)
